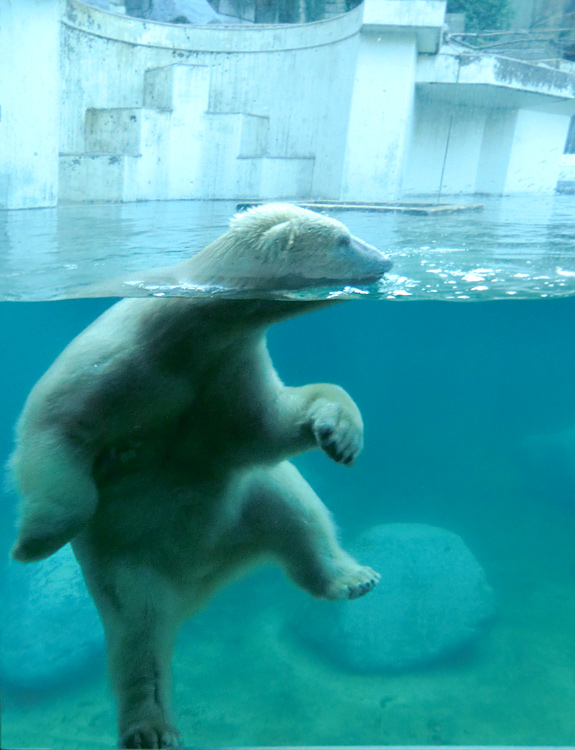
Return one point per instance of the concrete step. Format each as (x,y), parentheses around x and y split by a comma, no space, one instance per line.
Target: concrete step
(175,147)
(112,177)
(178,88)
(254,135)
(133,146)
(234,142)
(207,155)
(124,131)
(286,177)
(112,131)
(84,178)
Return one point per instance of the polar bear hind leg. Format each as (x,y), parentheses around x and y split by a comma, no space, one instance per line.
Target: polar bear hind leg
(60,495)
(141,610)
(294,526)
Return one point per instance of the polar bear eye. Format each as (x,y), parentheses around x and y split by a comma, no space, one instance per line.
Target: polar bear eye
(343,242)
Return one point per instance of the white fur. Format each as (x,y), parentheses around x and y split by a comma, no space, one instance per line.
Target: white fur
(157,443)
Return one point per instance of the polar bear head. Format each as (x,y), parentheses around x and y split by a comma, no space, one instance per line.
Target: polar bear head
(281,246)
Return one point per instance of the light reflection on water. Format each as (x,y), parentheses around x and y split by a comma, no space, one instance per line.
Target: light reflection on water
(517,247)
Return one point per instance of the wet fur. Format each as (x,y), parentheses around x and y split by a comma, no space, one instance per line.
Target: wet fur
(158,443)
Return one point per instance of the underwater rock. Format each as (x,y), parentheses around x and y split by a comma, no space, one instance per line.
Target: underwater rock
(432,600)
(50,628)
(550,465)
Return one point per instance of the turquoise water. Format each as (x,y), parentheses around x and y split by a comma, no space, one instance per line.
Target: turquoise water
(454,396)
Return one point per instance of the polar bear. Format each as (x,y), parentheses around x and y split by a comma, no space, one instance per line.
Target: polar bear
(158,444)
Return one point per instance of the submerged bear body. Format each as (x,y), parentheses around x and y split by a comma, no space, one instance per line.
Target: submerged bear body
(158,444)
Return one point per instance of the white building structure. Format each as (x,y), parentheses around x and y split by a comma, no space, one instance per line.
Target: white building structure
(29,102)
(367,106)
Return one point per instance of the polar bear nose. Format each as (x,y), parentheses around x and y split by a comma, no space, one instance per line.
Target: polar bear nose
(369,258)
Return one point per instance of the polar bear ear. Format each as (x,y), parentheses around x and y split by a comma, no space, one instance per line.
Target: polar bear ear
(278,240)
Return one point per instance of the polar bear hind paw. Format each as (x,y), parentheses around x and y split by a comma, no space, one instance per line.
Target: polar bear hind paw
(352,584)
(150,736)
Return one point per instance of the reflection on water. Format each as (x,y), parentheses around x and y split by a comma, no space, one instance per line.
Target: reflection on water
(516,247)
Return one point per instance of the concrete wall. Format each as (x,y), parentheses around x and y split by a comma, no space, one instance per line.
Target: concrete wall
(496,146)
(244,112)
(29,102)
(461,150)
(361,107)
(445,151)
(424,123)
(381,120)
(381,114)
(536,152)
(484,124)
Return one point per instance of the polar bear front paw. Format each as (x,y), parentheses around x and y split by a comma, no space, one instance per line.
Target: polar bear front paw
(352,584)
(337,434)
(148,735)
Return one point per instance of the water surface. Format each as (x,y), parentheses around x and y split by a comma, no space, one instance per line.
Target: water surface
(515,247)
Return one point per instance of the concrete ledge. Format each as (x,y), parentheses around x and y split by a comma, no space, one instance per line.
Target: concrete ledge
(424,17)
(211,38)
(493,81)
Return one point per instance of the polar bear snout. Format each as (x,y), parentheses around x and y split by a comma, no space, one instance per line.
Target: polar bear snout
(371,255)
(357,262)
